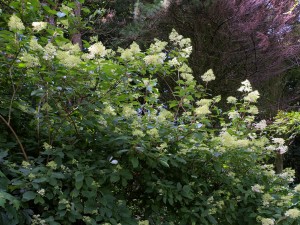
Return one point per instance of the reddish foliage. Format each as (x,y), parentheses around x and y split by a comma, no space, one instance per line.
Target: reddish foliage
(252,39)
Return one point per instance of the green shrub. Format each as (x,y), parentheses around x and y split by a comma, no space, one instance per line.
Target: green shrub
(103,148)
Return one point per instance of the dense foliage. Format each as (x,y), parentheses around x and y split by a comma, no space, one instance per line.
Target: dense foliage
(86,139)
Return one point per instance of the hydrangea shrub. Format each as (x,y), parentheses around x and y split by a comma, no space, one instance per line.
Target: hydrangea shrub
(103,148)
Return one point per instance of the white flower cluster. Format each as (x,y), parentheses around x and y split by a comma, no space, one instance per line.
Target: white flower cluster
(49,51)
(34,45)
(36,220)
(15,23)
(204,101)
(293,213)
(261,125)
(202,110)
(231,100)
(234,115)
(267,221)
(183,43)
(257,188)
(130,53)
(231,141)
(288,174)
(128,112)
(186,72)
(281,148)
(252,96)
(158,46)
(30,60)
(246,86)
(97,49)
(67,59)
(38,26)
(138,133)
(253,110)
(156,59)
(52,165)
(108,109)
(208,76)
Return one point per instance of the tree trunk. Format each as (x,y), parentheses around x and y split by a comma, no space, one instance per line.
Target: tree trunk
(76,37)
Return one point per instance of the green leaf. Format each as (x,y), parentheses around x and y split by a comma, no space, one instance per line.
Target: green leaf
(164,162)
(134,162)
(212,219)
(38,93)
(29,195)
(114,177)
(2,202)
(79,176)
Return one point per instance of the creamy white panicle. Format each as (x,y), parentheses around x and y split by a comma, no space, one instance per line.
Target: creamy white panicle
(97,49)
(158,46)
(157,59)
(252,96)
(30,60)
(34,45)
(202,110)
(208,76)
(253,110)
(15,23)
(49,51)
(231,100)
(293,213)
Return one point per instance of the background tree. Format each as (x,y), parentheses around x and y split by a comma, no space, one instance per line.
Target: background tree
(257,40)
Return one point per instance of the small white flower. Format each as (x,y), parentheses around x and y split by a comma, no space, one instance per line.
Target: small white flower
(41,192)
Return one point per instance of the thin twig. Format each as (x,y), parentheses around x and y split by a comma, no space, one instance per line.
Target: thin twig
(16,136)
